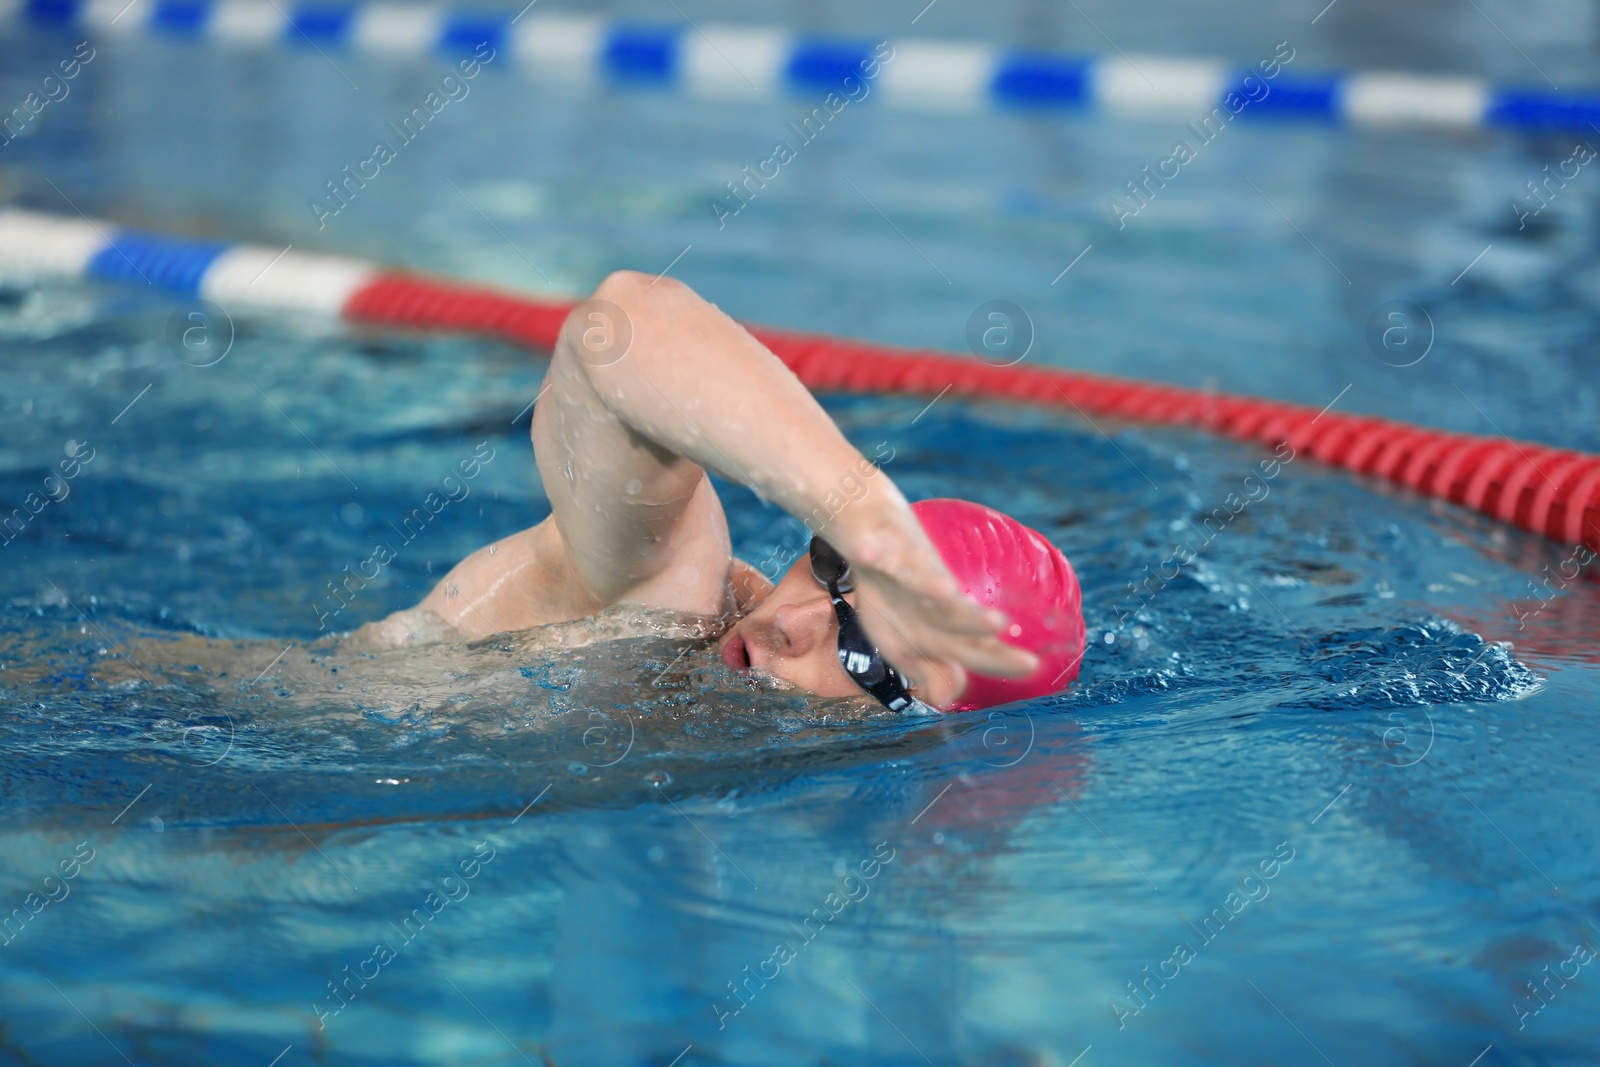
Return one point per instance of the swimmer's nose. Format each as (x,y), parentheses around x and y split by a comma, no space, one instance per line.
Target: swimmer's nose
(804,625)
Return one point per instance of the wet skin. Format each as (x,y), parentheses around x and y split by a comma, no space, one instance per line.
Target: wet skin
(791,635)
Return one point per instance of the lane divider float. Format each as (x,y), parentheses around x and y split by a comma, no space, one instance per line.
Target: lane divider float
(1554,492)
(752,62)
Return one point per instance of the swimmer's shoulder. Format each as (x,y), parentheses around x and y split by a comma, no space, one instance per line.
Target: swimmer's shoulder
(515,583)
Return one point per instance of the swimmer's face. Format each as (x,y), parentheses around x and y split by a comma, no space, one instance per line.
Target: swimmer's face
(792,635)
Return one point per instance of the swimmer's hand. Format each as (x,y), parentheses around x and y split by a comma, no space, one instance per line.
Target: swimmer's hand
(915,612)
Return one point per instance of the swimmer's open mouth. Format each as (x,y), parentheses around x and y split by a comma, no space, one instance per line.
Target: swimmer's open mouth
(736,654)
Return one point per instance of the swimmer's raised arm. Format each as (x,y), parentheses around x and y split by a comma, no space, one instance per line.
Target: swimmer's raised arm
(649,386)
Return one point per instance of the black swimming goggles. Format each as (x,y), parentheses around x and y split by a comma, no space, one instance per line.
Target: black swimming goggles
(857,654)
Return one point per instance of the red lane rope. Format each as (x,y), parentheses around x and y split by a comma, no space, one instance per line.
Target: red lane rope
(1549,491)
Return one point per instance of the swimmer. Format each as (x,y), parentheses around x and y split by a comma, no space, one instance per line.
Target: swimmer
(943,604)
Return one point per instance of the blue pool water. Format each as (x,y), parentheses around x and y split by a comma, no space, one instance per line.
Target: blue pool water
(1326,798)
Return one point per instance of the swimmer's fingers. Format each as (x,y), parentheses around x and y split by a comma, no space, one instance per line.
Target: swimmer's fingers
(929,596)
(917,615)
(982,655)
(915,632)
(940,678)
(920,588)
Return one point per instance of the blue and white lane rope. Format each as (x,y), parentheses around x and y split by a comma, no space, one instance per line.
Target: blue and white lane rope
(733,61)
(36,247)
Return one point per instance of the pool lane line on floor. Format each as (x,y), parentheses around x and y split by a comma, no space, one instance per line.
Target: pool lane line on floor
(1554,492)
(745,62)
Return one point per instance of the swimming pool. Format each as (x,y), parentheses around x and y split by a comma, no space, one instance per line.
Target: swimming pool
(1305,762)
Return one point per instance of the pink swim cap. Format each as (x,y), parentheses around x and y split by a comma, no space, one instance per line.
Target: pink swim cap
(1003,564)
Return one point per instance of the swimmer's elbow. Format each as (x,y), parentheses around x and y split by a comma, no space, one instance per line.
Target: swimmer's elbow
(625,301)
(643,299)
(600,329)
(605,329)
(625,288)
(634,290)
